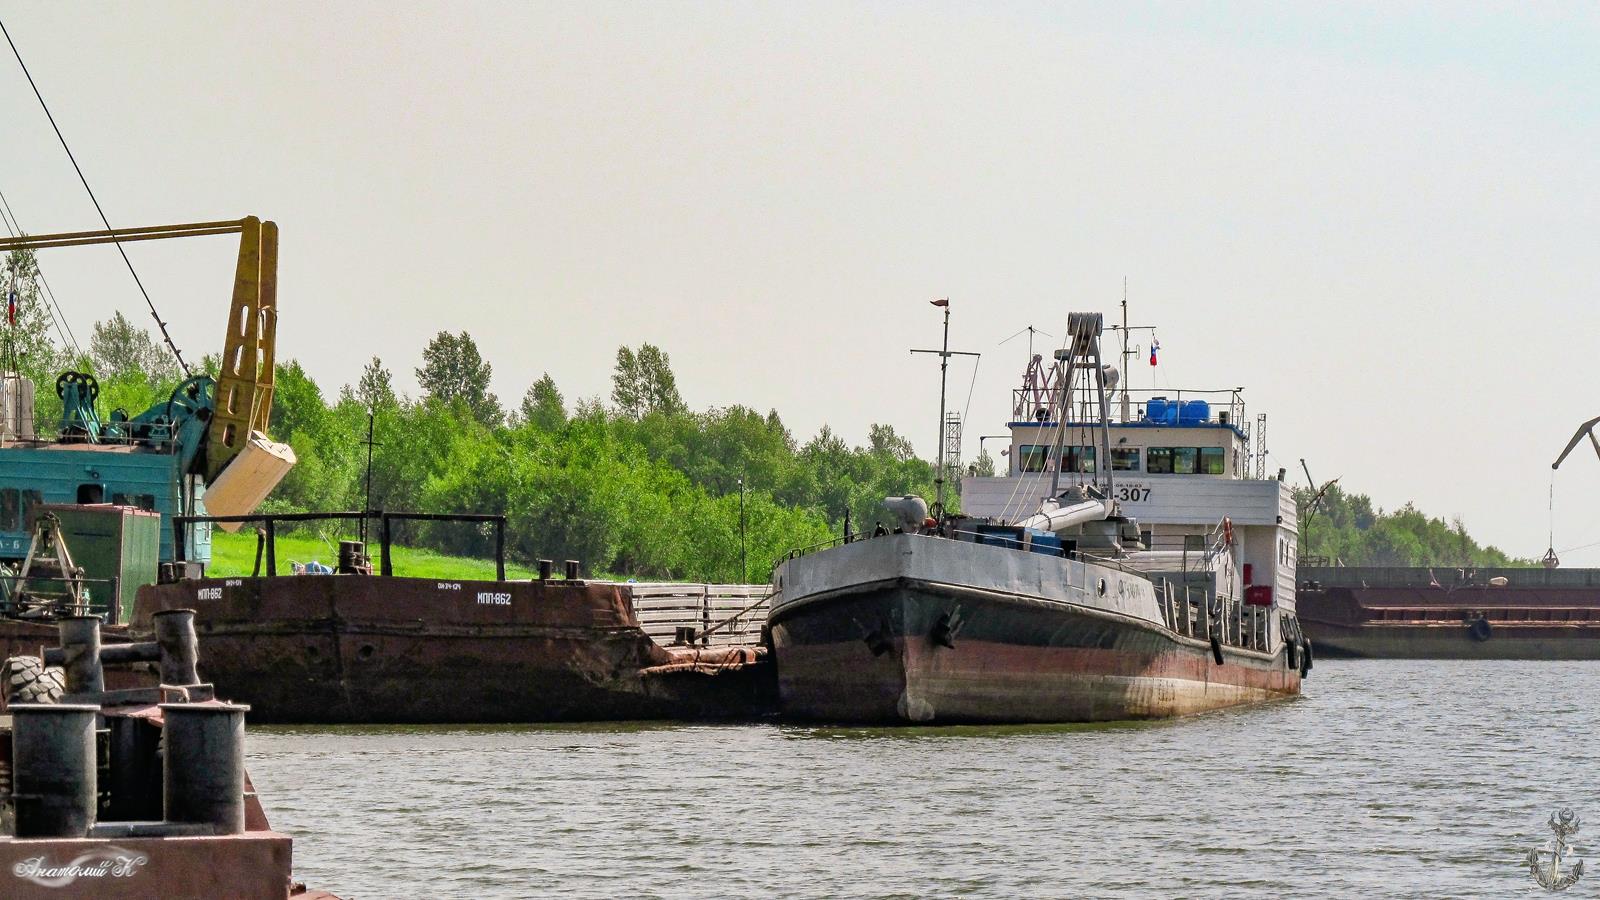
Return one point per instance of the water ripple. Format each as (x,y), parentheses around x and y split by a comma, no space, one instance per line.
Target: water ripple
(1388,779)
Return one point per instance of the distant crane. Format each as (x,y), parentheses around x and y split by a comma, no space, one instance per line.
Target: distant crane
(1550,559)
(1586,428)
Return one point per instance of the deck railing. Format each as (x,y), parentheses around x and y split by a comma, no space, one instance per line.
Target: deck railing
(720,615)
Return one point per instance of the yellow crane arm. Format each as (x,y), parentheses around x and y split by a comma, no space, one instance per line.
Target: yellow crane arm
(244,386)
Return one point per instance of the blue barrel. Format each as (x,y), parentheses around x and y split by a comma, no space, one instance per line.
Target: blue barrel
(1195,412)
(1155,409)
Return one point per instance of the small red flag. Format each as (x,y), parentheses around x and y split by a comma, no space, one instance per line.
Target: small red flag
(944,302)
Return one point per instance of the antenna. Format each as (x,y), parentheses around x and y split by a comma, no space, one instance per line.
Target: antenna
(1127,354)
(1031,331)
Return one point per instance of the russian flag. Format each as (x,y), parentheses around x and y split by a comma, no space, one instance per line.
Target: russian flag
(1154,346)
(11,308)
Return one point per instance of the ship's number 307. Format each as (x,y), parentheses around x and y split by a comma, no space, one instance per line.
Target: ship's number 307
(1131,494)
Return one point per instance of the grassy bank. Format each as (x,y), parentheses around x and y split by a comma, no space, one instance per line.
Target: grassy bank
(235,554)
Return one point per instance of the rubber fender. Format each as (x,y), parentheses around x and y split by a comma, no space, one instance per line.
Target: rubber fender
(1291,653)
(1480,630)
(1305,657)
(1216,649)
(29,680)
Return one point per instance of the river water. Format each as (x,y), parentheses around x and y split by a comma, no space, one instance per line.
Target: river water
(1386,779)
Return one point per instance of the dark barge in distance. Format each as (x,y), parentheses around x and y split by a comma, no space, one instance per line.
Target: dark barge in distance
(1452,613)
(359,647)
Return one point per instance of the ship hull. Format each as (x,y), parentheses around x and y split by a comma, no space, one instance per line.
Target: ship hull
(882,651)
(1453,641)
(1407,614)
(319,649)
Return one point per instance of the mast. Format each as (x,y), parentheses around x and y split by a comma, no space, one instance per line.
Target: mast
(944,368)
(1127,372)
(944,353)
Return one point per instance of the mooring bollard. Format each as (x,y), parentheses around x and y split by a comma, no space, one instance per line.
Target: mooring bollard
(203,769)
(572,570)
(80,654)
(180,648)
(53,769)
(545,567)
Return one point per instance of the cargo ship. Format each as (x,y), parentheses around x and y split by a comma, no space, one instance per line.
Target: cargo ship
(1126,566)
(1452,613)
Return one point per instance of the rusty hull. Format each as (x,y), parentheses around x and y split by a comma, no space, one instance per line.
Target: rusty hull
(1410,622)
(372,649)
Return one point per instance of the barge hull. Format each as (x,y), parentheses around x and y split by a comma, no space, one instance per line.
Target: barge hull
(322,649)
(874,654)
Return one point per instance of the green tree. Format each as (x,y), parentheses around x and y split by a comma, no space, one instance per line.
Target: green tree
(453,370)
(643,382)
(119,348)
(375,390)
(883,441)
(983,466)
(542,407)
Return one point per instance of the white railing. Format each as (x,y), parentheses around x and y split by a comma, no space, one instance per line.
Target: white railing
(722,615)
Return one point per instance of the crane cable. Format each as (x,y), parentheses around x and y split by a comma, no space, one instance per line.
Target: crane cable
(107,222)
(58,316)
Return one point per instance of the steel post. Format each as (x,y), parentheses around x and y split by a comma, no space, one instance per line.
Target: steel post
(180,648)
(53,777)
(80,651)
(203,767)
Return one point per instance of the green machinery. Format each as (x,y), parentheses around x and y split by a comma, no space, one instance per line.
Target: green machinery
(172,459)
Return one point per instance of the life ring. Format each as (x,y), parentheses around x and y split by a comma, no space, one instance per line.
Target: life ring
(1480,630)
(1227,531)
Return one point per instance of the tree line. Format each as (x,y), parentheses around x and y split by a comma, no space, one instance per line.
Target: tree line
(636,485)
(1343,528)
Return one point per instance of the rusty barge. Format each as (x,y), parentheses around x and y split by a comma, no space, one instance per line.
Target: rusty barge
(358,645)
(135,792)
(1452,613)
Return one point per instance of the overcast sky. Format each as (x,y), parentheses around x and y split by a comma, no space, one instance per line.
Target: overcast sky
(1380,219)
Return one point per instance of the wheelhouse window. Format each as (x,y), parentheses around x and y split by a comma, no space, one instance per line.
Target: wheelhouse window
(1185,460)
(1077,459)
(1158,460)
(1031,457)
(1125,459)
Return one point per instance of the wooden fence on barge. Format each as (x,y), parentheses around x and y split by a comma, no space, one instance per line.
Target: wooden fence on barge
(662,608)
